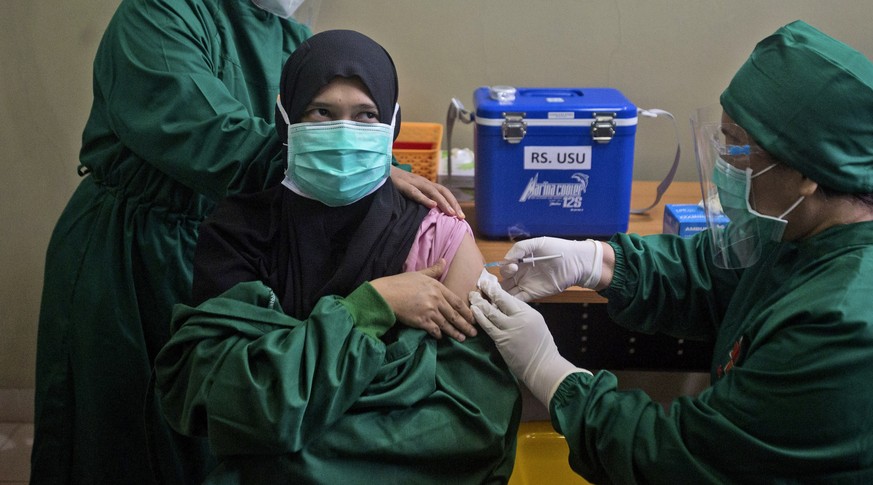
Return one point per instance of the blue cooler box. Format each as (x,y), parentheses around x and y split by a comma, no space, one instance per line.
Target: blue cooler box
(553,161)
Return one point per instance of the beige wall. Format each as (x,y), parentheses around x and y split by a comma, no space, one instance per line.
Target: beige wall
(669,54)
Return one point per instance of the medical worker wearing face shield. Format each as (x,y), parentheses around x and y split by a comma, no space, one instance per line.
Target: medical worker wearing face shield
(783,292)
(184,96)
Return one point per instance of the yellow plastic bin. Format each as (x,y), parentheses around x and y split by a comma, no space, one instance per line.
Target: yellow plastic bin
(418,145)
(541,458)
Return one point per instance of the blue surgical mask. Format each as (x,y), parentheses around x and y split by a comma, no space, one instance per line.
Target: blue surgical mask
(734,186)
(338,162)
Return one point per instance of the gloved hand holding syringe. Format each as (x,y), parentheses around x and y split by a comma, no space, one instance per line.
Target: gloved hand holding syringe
(555,264)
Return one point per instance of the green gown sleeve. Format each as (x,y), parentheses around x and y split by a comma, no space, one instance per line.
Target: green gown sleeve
(624,437)
(668,284)
(189,87)
(661,283)
(252,378)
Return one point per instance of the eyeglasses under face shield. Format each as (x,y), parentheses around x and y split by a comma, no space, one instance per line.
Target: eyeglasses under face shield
(724,153)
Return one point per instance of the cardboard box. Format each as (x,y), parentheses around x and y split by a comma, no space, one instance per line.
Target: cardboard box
(686,219)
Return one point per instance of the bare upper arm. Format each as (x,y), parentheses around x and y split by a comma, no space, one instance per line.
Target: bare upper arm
(463,274)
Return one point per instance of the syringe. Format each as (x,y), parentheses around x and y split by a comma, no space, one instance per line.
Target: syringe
(528,259)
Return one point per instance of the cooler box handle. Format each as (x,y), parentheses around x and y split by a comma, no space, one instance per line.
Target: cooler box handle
(456,111)
(668,179)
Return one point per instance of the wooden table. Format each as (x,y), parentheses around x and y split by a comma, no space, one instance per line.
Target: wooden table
(642,195)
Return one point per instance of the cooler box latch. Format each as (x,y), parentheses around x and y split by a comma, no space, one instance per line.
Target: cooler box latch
(603,127)
(514,127)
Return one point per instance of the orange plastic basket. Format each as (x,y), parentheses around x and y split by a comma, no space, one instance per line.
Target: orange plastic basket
(418,145)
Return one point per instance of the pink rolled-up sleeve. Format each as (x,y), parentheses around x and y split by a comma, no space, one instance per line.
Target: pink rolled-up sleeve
(439,236)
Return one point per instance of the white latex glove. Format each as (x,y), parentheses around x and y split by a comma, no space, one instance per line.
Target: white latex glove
(484,277)
(523,339)
(581,264)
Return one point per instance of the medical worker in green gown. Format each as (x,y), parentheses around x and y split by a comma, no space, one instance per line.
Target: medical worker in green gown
(784,292)
(290,361)
(184,95)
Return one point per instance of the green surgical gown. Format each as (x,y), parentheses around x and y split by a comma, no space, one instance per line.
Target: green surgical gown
(324,400)
(184,95)
(791,397)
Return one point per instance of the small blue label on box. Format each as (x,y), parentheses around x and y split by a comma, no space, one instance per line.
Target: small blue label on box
(686,219)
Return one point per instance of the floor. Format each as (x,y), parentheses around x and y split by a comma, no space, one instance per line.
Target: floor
(16,440)
(16,435)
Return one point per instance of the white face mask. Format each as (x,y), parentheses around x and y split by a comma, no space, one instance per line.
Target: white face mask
(281,8)
(337,162)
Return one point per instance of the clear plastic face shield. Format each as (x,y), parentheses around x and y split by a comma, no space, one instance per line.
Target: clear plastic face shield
(724,154)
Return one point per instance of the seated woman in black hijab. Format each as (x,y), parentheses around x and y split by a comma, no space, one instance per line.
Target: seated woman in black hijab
(310,356)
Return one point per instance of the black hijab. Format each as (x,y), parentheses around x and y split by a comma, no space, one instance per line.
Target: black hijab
(299,247)
(327,55)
